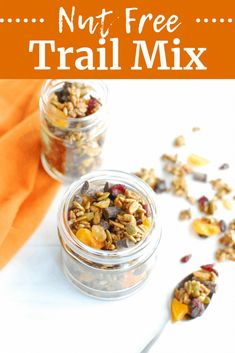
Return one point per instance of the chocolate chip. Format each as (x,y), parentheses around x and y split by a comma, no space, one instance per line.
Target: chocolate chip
(202,177)
(160,187)
(85,188)
(104,224)
(111,212)
(224,166)
(106,187)
(120,244)
(63,94)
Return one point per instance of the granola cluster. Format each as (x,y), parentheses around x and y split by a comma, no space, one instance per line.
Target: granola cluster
(109,218)
(221,189)
(148,175)
(228,250)
(194,293)
(185,215)
(179,141)
(179,172)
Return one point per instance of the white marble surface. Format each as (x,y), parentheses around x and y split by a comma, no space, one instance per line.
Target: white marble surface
(41,312)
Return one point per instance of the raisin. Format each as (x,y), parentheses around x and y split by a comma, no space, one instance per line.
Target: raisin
(196,308)
(203,203)
(147,210)
(160,186)
(139,222)
(223,226)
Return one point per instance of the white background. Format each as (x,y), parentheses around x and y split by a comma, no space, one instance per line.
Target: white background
(40,312)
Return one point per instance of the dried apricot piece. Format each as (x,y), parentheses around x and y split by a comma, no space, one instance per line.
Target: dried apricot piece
(178,310)
(96,244)
(197,161)
(147,223)
(204,227)
(86,236)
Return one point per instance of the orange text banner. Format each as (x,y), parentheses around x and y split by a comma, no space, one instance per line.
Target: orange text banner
(117,39)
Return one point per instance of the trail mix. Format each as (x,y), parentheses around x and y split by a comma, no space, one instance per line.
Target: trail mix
(207,225)
(185,215)
(110,217)
(227,242)
(71,145)
(194,294)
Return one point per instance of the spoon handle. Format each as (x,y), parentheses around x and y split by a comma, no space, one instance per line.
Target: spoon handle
(150,344)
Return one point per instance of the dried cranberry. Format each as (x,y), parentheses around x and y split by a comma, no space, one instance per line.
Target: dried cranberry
(91,105)
(209,268)
(117,189)
(186,258)
(139,222)
(223,226)
(160,187)
(196,308)
(147,210)
(203,203)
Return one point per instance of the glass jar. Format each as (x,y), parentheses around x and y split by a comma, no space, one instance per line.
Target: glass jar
(103,273)
(71,147)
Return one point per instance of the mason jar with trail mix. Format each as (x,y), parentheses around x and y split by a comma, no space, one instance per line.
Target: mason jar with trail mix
(109,231)
(73,126)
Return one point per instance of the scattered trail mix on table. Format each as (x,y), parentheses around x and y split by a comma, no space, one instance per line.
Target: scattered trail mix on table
(193,294)
(207,225)
(72,147)
(109,218)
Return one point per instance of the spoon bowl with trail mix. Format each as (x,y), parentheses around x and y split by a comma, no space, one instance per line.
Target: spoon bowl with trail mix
(109,231)
(73,126)
(190,299)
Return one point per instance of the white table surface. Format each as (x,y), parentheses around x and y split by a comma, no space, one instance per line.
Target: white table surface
(41,312)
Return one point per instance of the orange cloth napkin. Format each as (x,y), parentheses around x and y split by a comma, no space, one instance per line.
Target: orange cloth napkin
(25,189)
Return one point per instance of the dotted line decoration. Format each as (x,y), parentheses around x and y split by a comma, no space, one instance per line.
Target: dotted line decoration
(22,20)
(214,20)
